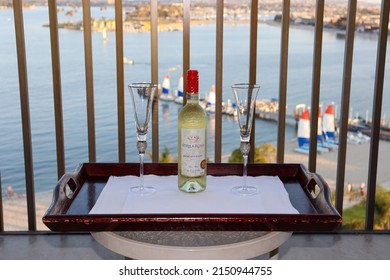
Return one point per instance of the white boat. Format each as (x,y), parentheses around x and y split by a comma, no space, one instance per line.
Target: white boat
(228,108)
(165,90)
(363,137)
(128,61)
(357,138)
(329,128)
(210,100)
(104,35)
(179,91)
(304,135)
(321,139)
(352,139)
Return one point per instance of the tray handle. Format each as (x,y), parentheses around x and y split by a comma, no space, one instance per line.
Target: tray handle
(319,192)
(314,186)
(68,185)
(63,193)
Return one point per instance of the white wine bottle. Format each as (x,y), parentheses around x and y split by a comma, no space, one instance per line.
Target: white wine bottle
(192,134)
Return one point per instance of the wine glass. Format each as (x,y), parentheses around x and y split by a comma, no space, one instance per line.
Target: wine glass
(142,96)
(245,95)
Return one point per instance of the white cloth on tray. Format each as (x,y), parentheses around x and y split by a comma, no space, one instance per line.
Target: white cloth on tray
(116,198)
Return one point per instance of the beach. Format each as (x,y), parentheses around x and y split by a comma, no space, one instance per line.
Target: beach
(15,211)
(356,172)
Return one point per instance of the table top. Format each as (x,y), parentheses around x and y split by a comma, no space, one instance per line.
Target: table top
(184,245)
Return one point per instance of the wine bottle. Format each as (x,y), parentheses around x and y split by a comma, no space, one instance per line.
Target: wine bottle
(192,134)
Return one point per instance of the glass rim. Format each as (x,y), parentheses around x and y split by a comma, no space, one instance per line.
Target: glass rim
(141,84)
(245,85)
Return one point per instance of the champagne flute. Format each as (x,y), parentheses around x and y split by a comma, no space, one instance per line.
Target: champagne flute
(245,95)
(142,96)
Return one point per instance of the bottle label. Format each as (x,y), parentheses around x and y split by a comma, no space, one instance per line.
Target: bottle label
(193,152)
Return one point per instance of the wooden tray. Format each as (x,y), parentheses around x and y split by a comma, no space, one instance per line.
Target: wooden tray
(76,193)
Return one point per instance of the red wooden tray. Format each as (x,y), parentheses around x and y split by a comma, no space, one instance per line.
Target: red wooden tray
(76,193)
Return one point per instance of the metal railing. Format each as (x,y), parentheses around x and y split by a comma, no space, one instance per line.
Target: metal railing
(348,61)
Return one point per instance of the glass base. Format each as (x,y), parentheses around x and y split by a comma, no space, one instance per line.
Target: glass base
(142,190)
(240,190)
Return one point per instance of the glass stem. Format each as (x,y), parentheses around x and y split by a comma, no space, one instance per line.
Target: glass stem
(244,171)
(141,170)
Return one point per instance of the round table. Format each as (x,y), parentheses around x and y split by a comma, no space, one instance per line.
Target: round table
(174,245)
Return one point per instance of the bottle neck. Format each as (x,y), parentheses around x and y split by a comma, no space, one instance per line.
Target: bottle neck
(193,97)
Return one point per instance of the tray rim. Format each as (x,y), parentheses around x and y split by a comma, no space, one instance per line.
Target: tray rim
(101,222)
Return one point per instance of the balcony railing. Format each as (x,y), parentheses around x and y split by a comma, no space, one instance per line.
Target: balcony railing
(186,54)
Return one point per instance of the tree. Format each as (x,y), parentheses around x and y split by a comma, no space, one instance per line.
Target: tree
(236,156)
(382,207)
(164,157)
(266,153)
(353,218)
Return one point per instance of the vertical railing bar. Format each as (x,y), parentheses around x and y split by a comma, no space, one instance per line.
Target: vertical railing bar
(1,207)
(345,98)
(154,76)
(219,82)
(283,81)
(186,44)
(89,80)
(253,65)
(120,83)
(316,81)
(25,110)
(376,114)
(57,93)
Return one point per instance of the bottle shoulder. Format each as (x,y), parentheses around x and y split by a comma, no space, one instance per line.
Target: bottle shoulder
(192,108)
(192,116)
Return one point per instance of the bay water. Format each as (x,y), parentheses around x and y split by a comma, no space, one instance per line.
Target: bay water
(136,47)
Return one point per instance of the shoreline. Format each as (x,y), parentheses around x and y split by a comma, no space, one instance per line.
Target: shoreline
(356,171)
(176,26)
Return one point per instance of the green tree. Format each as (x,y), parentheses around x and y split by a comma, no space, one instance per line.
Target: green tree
(354,217)
(236,156)
(382,207)
(266,153)
(166,156)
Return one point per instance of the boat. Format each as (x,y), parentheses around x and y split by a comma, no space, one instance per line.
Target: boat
(166,87)
(104,34)
(329,128)
(128,61)
(357,138)
(304,135)
(210,100)
(321,136)
(229,108)
(179,91)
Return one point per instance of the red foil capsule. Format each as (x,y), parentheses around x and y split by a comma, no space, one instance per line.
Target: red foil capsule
(192,81)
